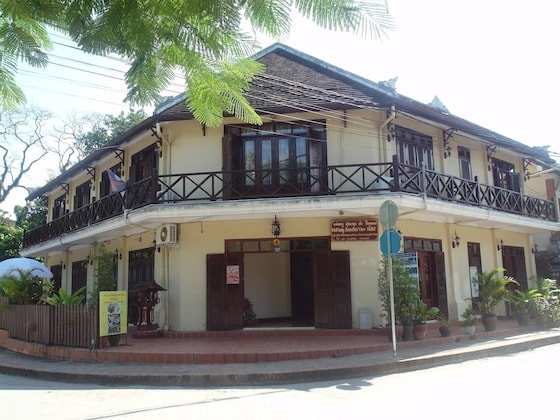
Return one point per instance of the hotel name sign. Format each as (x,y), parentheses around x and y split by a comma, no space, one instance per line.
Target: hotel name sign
(354,230)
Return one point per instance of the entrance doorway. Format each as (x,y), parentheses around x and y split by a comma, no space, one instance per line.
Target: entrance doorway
(299,283)
(431,271)
(513,258)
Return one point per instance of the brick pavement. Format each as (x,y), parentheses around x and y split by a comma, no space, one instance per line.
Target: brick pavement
(339,363)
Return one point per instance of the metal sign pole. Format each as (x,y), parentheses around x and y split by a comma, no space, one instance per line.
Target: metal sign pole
(392,295)
(388,214)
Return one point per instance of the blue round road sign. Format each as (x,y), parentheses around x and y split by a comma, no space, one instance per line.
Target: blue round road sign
(395,241)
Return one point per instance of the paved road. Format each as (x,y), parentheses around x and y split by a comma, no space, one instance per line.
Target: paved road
(513,386)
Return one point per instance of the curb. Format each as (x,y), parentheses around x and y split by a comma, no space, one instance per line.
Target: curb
(270,373)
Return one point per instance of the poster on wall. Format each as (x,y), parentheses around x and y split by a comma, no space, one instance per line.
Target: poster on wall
(409,261)
(113,312)
(232,274)
(473,273)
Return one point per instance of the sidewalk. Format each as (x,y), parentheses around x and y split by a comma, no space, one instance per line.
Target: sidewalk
(430,352)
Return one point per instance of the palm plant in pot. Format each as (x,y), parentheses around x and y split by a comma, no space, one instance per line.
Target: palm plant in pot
(423,313)
(492,289)
(522,301)
(470,318)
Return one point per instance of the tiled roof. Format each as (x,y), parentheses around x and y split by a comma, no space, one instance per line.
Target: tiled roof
(294,81)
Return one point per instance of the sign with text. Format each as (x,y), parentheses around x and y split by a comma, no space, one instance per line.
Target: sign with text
(354,230)
(113,307)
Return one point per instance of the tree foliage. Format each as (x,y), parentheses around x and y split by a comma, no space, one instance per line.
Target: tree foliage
(79,135)
(32,215)
(23,144)
(65,298)
(105,274)
(104,128)
(23,289)
(204,40)
(11,239)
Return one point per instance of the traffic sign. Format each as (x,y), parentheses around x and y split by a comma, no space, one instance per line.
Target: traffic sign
(395,239)
(388,214)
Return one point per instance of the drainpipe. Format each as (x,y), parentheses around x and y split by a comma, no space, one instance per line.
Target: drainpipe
(166,282)
(382,145)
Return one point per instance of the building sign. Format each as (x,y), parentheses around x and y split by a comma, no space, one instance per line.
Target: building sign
(354,230)
(232,274)
(113,312)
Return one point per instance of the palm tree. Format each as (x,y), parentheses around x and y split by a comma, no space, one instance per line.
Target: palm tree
(492,290)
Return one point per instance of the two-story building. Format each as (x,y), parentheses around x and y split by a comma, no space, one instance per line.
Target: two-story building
(286,214)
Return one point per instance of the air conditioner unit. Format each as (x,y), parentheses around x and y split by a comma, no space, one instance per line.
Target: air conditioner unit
(166,234)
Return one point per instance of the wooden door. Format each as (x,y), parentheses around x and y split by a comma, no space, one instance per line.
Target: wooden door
(342,303)
(79,274)
(301,280)
(441,284)
(215,295)
(513,258)
(331,273)
(224,302)
(140,276)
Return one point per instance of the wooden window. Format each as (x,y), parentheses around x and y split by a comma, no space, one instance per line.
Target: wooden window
(415,149)
(59,207)
(105,185)
(143,164)
(275,158)
(505,175)
(83,195)
(465,170)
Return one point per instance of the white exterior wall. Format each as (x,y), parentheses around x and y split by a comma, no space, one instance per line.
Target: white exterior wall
(357,139)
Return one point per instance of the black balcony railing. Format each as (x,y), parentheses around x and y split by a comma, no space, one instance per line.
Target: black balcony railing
(371,178)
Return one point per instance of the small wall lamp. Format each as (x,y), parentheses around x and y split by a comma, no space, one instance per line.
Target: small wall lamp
(89,260)
(276,227)
(456,241)
(535,249)
(118,254)
(500,245)
(63,265)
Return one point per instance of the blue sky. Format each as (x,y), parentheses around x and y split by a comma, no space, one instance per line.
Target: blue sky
(493,63)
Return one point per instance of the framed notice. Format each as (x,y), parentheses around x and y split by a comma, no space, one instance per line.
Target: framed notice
(232,274)
(113,315)
(473,274)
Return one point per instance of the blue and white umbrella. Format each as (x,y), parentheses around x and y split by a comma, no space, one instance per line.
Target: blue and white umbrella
(13,266)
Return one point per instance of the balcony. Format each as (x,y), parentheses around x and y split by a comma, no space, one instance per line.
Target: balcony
(372,178)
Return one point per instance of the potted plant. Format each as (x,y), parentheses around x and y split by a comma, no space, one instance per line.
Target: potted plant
(406,296)
(522,301)
(444,325)
(423,313)
(249,315)
(470,318)
(491,291)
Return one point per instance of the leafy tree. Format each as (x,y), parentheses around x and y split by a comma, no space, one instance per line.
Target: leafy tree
(23,36)
(105,273)
(32,215)
(105,128)
(23,289)
(203,39)
(23,144)
(11,239)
